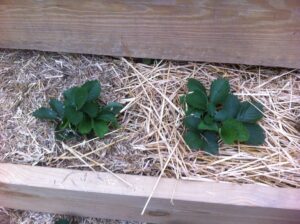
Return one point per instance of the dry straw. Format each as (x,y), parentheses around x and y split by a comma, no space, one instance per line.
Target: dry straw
(150,140)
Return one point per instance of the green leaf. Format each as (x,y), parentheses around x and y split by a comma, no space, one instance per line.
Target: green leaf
(90,108)
(64,124)
(113,107)
(45,113)
(210,142)
(193,140)
(74,116)
(231,105)
(57,106)
(221,115)
(211,109)
(93,88)
(250,113)
(194,85)
(257,134)
(81,95)
(100,128)
(208,119)
(209,127)
(108,116)
(190,110)
(69,96)
(230,108)
(192,121)
(219,91)
(62,221)
(197,99)
(85,126)
(233,130)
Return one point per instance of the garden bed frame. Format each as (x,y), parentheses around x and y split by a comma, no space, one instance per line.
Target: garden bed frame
(97,194)
(262,32)
(256,32)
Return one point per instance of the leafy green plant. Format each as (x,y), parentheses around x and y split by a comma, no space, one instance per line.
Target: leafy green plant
(219,114)
(80,113)
(62,221)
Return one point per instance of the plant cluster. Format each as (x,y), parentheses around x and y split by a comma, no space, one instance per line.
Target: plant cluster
(219,115)
(80,113)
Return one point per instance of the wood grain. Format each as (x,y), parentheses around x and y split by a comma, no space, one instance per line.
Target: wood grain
(260,32)
(92,194)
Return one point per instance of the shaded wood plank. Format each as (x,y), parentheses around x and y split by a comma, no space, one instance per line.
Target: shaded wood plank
(264,32)
(99,194)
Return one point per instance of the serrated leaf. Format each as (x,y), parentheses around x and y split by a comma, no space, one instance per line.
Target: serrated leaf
(209,127)
(90,108)
(250,113)
(85,126)
(69,96)
(210,142)
(233,130)
(219,91)
(192,121)
(45,113)
(113,107)
(100,128)
(194,85)
(230,108)
(57,106)
(197,100)
(231,105)
(93,89)
(108,116)
(256,134)
(193,140)
(74,116)
(81,95)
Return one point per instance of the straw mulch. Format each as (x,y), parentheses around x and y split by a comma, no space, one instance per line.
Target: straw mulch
(149,141)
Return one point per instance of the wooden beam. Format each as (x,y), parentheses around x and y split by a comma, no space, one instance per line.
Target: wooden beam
(264,32)
(94,194)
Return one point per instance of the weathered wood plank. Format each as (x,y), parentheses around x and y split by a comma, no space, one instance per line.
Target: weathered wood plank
(264,32)
(87,193)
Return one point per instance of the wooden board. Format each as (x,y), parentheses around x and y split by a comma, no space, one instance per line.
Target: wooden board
(264,32)
(93,194)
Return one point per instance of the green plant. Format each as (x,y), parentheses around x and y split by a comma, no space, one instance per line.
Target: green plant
(219,114)
(80,113)
(62,221)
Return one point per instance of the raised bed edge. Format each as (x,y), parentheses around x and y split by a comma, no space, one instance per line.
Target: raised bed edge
(97,194)
(243,32)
